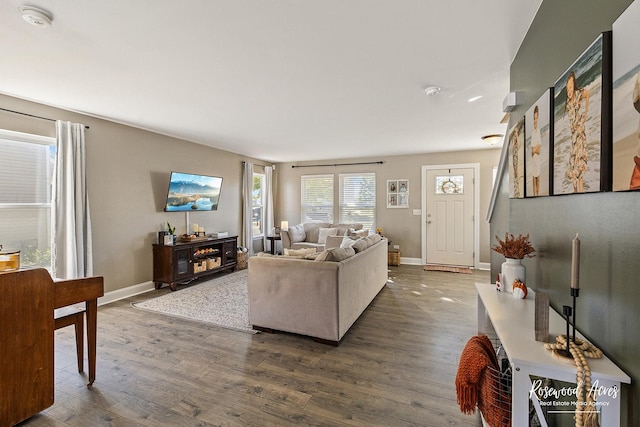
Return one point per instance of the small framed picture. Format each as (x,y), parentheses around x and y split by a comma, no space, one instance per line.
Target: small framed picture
(398,193)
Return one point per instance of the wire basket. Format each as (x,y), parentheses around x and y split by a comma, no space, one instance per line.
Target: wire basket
(242,261)
(494,401)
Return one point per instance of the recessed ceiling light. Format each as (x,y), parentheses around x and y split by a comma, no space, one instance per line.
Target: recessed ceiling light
(36,16)
(474,99)
(432,90)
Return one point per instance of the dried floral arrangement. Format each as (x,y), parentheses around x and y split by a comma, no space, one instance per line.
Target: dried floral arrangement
(514,247)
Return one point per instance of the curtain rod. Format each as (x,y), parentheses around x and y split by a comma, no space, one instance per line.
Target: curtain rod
(258,164)
(32,115)
(339,164)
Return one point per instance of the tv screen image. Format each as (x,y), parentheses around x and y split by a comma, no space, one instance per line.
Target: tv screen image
(191,192)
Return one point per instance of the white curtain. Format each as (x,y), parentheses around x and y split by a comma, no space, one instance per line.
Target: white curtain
(268,204)
(71,222)
(247,205)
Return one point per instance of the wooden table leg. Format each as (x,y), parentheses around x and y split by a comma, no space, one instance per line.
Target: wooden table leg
(92,327)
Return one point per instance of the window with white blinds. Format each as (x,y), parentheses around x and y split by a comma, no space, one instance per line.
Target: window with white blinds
(316,196)
(26,172)
(358,199)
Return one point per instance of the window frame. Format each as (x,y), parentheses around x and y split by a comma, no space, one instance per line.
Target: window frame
(342,217)
(261,205)
(27,138)
(324,209)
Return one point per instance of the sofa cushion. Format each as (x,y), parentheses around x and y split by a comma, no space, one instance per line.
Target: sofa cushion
(300,245)
(297,233)
(299,252)
(333,242)
(340,254)
(373,238)
(360,245)
(353,226)
(324,232)
(322,256)
(359,233)
(312,230)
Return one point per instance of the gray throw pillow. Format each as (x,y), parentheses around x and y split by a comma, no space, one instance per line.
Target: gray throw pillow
(333,242)
(340,254)
(297,233)
(373,238)
(360,245)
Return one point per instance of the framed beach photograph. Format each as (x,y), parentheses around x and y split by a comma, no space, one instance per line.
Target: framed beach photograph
(398,193)
(516,160)
(538,132)
(626,99)
(581,141)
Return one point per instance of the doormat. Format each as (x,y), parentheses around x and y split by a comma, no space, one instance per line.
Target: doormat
(448,268)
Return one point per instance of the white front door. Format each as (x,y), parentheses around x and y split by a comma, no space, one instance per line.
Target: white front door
(450,218)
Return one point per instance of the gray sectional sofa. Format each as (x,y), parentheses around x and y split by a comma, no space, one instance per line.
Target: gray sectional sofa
(310,234)
(321,299)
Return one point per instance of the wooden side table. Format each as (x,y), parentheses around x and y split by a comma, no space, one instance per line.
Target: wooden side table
(273,239)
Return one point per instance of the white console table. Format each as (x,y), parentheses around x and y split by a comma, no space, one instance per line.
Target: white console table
(513,321)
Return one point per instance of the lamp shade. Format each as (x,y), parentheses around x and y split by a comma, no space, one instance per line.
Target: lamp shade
(284,225)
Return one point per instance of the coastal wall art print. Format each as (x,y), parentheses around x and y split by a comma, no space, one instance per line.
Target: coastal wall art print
(626,100)
(516,160)
(538,127)
(578,122)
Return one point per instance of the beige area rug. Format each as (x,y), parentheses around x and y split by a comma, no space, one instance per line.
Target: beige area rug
(449,268)
(221,301)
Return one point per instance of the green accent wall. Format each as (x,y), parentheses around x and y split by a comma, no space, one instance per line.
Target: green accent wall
(609,304)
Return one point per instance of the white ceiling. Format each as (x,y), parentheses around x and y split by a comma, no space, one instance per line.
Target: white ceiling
(280,80)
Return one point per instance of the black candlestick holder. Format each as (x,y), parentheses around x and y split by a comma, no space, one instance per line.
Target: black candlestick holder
(575,293)
(564,352)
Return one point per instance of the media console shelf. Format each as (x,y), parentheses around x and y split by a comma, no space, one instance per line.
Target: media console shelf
(187,261)
(513,322)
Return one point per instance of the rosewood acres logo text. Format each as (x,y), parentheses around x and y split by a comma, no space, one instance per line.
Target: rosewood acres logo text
(551,397)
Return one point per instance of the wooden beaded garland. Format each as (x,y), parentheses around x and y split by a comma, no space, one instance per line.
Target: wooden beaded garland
(580,350)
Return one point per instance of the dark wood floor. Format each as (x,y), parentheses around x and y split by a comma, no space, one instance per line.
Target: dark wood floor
(395,367)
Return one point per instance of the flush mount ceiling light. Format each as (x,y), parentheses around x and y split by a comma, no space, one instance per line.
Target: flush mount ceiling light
(492,139)
(432,90)
(36,16)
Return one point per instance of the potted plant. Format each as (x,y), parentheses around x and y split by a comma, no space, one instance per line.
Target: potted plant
(514,250)
(172,232)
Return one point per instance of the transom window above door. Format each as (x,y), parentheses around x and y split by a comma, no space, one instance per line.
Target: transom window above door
(449,184)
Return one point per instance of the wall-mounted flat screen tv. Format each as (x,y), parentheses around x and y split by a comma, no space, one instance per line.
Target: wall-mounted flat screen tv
(190,192)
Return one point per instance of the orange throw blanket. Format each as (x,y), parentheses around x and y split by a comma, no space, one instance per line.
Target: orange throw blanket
(477,386)
(635,177)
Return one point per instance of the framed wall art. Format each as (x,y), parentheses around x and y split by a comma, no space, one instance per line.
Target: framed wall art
(398,193)
(516,160)
(582,122)
(626,99)
(538,130)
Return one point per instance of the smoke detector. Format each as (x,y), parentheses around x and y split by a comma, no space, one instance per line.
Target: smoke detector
(36,16)
(432,90)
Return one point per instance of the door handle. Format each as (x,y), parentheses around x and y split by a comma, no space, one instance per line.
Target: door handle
(428,222)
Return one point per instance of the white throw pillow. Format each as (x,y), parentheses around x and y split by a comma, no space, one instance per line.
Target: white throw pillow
(347,242)
(324,232)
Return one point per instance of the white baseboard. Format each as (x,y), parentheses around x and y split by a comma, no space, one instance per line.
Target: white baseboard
(127,292)
(410,261)
(418,261)
(484,266)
